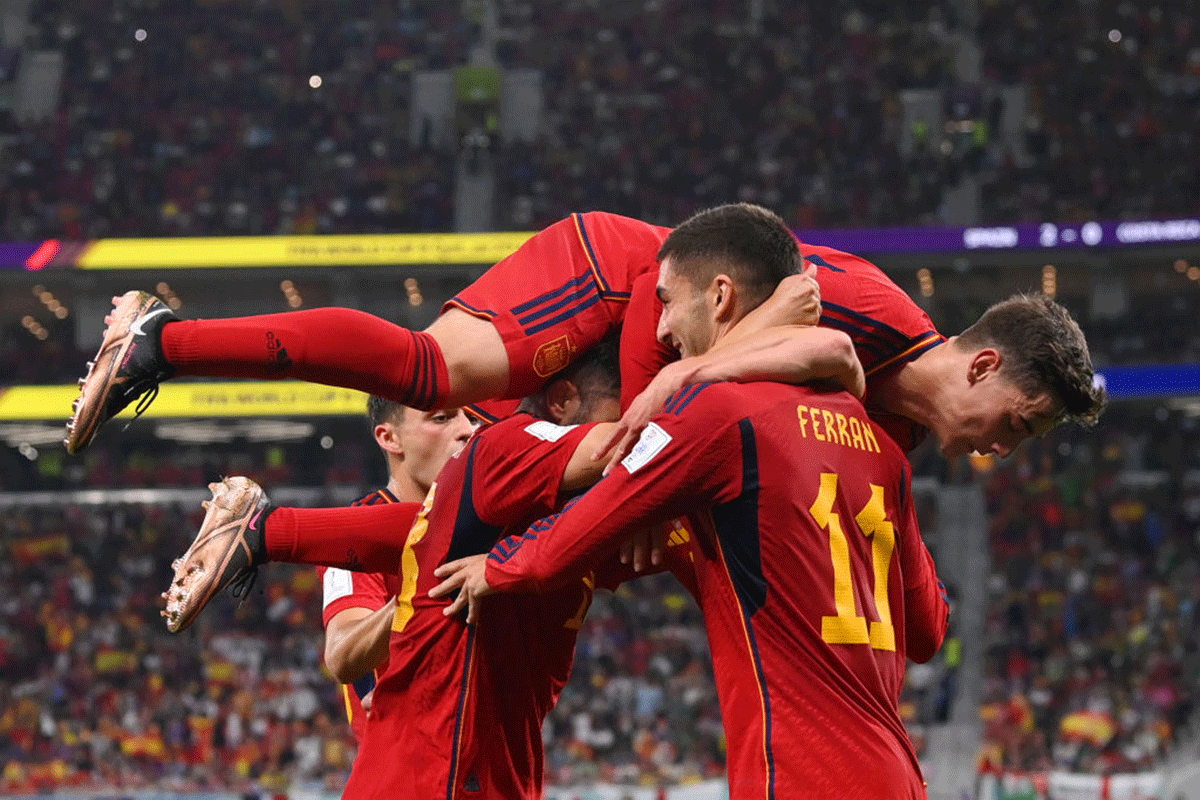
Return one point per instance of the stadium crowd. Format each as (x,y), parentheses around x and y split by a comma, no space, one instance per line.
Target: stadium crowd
(656,109)
(1093,656)
(1112,111)
(242,142)
(651,109)
(94,692)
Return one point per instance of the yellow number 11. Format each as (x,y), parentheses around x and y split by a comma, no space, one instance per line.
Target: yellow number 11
(848,627)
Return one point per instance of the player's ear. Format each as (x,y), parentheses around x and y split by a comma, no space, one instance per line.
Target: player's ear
(723,296)
(562,400)
(985,362)
(387,436)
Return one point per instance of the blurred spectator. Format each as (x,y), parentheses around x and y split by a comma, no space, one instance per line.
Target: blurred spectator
(193,118)
(656,109)
(94,692)
(1092,658)
(1110,127)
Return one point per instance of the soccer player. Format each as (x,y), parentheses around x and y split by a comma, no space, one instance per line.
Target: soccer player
(809,568)
(450,714)
(564,289)
(356,609)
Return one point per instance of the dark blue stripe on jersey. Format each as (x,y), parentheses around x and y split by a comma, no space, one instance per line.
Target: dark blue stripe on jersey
(577,281)
(736,523)
(885,346)
(813,258)
(570,312)
(737,529)
(882,329)
(364,684)
(766,696)
(418,393)
(573,297)
(513,544)
(858,335)
(587,243)
(458,714)
(687,400)
(677,398)
(431,372)
(472,535)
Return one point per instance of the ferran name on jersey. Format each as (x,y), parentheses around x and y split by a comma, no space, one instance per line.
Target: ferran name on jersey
(651,443)
(548,431)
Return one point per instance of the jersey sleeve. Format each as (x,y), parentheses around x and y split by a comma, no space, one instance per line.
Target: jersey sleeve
(620,248)
(642,354)
(518,468)
(926,608)
(343,589)
(688,456)
(887,327)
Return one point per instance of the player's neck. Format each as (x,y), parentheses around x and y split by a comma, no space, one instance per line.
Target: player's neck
(916,390)
(404,488)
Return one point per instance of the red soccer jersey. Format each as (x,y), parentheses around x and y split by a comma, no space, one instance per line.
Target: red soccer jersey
(811,574)
(344,589)
(887,327)
(458,713)
(562,291)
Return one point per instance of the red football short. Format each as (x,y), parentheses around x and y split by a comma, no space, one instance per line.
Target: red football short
(562,292)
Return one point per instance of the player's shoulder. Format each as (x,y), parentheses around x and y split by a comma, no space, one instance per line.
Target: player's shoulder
(606,228)
(838,261)
(726,401)
(524,428)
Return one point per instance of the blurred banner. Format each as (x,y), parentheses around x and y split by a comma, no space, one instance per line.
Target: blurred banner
(1068,786)
(233,399)
(488,248)
(296,398)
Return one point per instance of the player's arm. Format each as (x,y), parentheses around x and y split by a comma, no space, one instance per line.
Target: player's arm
(681,462)
(926,607)
(787,354)
(356,641)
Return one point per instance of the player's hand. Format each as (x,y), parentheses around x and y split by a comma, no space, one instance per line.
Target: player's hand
(798,298)
(367,700)
(629,428)
(466,576)
(645,548)
(854,379)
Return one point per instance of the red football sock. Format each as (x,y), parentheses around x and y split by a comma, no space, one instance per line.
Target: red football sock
(334,346)
(359,538)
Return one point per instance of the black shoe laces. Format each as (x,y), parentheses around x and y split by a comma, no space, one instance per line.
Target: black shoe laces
(143,403)
(243,582)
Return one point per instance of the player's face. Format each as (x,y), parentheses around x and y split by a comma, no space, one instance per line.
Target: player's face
(429,439)
(685,323)
(993,417)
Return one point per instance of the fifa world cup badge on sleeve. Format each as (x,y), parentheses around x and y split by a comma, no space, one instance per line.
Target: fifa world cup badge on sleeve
(651,443)
(548,431)
(339,583)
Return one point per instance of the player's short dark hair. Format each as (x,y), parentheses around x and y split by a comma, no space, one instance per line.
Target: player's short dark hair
(381,410)
(749,243)
(1044,352)
(596,373)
